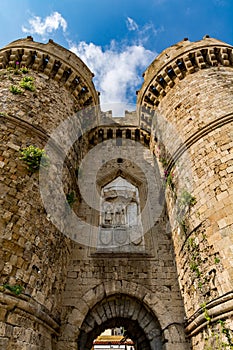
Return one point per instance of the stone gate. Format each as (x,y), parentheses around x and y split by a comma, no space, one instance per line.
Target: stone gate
(130,221)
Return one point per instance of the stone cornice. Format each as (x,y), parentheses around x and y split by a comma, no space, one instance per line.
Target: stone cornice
(56,62)
(217,123)
(217,309)
(173,65)
(32,308)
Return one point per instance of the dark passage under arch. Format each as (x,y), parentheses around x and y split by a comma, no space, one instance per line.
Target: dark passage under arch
(140,323)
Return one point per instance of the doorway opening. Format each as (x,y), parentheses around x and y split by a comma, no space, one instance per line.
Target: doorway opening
(124,312)
(113,338)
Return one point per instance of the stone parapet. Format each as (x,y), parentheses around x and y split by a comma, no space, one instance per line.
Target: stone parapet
(55,62)
(174,63)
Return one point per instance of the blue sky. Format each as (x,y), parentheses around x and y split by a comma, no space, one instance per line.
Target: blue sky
(117,39)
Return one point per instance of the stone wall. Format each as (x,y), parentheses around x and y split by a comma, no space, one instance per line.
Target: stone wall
(95,275)
(28,240)
(195,103)
(58,290)
(34,253)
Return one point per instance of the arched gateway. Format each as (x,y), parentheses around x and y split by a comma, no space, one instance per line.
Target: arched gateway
(139,322)
(144,317)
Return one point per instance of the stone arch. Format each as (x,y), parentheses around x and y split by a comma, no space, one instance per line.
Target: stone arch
(122,310)
(129,171)
(85,316)
(133,289)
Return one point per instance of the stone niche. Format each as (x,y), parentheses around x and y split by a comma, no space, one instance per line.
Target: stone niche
(120,226)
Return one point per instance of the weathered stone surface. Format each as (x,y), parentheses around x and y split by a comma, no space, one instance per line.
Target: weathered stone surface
(181,268)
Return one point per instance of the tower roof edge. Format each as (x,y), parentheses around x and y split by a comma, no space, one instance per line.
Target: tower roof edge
(52,48)
(179,49)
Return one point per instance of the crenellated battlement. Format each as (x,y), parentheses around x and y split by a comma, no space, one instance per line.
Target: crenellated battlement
(54,61)
(181,59)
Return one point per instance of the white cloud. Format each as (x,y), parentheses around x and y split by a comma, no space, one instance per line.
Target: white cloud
(117,70)
(142,34)
(46,26)
(147,32)
(131,24)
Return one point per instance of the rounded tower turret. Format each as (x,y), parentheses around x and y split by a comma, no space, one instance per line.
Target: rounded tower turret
(40,86)
(188,95)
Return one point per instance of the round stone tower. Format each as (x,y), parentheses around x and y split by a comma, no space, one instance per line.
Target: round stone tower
(61,293)
(187,96)
(40,86)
